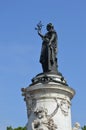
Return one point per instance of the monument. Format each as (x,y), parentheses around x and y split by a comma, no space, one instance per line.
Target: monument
(48,97)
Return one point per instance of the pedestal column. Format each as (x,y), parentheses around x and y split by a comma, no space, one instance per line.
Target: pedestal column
(48,102)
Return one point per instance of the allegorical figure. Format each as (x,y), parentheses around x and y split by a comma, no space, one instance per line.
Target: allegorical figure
(48,57)
(43,121)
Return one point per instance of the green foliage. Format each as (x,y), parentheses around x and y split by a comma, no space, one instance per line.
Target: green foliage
(9,128)
(19,128)
(84,127)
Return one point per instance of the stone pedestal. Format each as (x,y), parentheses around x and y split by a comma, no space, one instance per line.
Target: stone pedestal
(48,102)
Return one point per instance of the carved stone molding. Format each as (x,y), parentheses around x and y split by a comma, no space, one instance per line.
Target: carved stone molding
(30,103)
(46,78)
(64,106)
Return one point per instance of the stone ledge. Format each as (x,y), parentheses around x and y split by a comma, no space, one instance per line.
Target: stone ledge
(50,88)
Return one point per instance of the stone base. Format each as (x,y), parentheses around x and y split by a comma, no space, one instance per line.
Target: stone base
(48,101)
(49,77)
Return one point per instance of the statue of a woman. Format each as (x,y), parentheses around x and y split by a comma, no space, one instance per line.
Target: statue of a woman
(49,49)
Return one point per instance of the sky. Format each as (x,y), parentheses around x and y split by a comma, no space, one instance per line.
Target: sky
(20,48)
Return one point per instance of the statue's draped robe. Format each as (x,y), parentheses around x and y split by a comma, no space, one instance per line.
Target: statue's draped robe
(48,52)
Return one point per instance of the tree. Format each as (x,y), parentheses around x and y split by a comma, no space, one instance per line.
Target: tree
(84,127)
(9,128)
(19,128)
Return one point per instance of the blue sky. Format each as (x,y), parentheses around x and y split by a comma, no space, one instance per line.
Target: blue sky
(20,50)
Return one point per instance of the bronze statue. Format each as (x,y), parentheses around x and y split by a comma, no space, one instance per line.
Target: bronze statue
(49,48)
